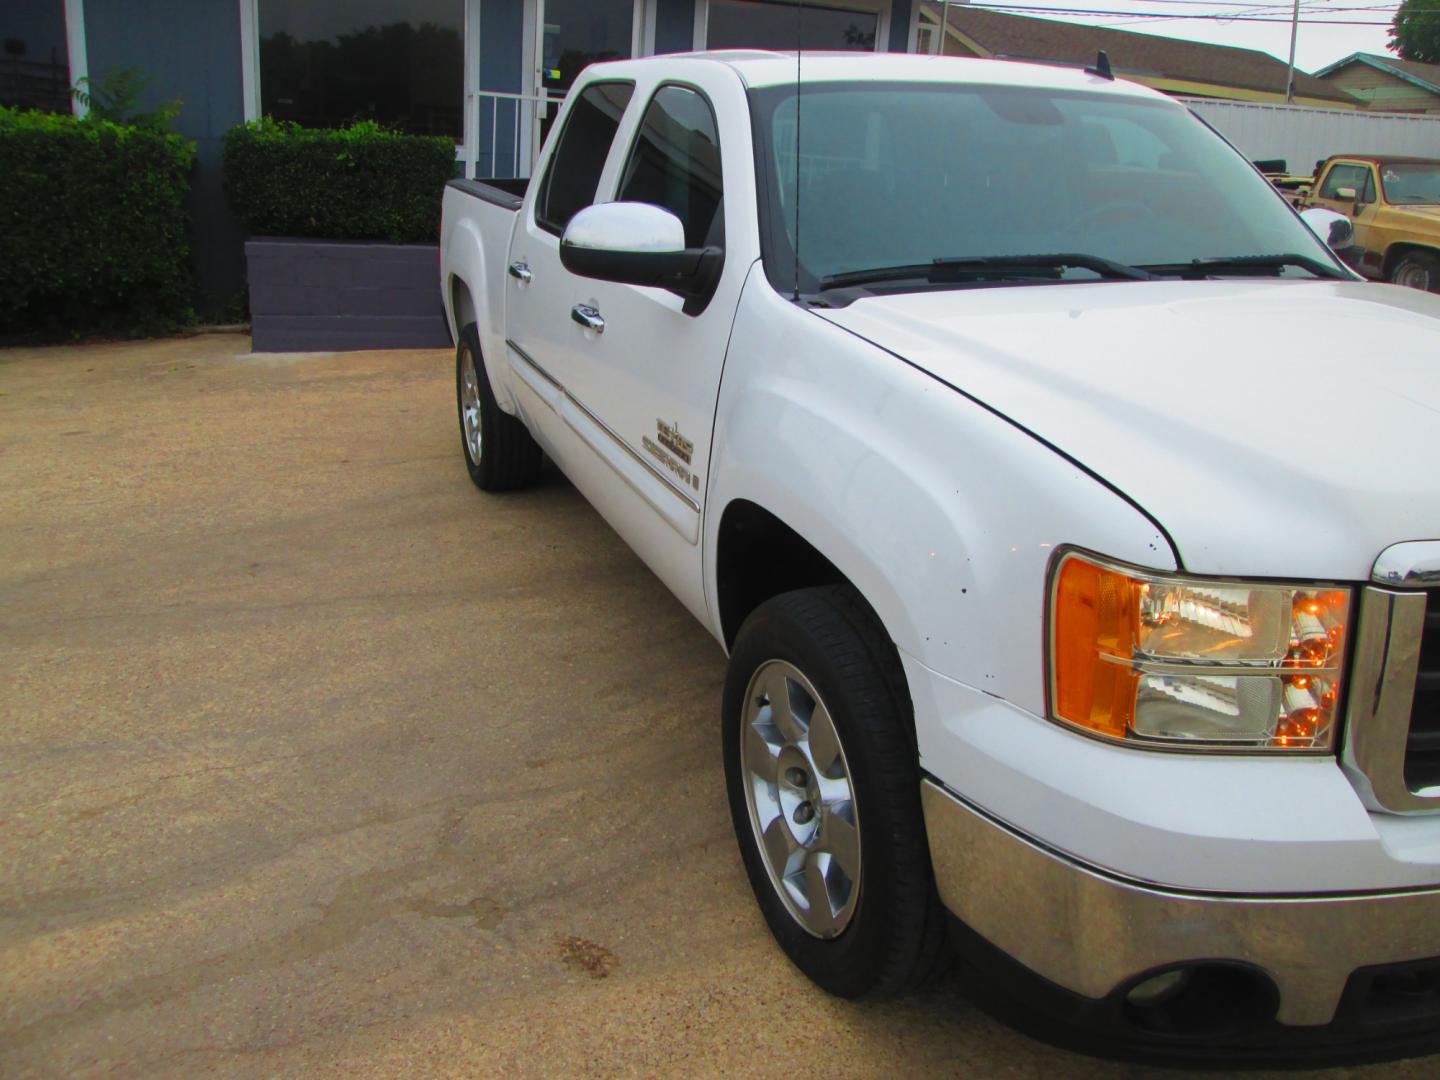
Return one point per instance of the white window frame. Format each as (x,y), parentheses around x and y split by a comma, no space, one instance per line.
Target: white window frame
(880,8)
(75,53)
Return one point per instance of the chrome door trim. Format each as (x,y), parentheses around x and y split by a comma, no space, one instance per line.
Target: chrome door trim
(605,428)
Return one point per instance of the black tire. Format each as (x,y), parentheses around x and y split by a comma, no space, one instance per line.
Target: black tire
(507,457)
(895,938)
(1417,270)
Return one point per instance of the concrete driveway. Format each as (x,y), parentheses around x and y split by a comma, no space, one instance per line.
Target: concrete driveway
(315,760)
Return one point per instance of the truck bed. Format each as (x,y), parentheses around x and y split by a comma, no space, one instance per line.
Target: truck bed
(507,193)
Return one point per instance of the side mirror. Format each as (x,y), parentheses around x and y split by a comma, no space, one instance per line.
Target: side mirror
(1345,193)
(640,244)
(1338,231)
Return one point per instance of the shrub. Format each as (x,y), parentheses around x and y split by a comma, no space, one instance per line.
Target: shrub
(92,227)
(357,183)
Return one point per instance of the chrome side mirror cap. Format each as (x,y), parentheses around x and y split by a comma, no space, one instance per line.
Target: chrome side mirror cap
(640,244)
(625,227)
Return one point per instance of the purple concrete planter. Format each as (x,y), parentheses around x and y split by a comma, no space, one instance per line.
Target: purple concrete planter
(332,295)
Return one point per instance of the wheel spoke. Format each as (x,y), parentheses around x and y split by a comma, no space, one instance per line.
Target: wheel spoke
(780,846)
(783,695)
(841,839)
(821,915)
(825,744)
(759,755)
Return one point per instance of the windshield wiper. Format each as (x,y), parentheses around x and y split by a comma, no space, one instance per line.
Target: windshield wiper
(987,268)
(1242,264)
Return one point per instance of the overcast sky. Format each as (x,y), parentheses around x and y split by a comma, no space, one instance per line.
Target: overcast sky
(1316,46)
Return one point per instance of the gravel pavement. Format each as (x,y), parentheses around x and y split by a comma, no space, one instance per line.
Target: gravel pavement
(314,760)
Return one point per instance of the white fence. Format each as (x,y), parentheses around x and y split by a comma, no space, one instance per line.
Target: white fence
(502,133)
(1303,135)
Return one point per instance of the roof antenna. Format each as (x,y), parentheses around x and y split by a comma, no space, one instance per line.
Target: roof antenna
(1102,66)
(798,37)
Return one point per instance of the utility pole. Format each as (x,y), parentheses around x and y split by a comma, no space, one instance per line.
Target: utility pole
(1290,75)
(945,18)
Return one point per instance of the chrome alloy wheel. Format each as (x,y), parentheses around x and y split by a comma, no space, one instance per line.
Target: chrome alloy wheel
(802,806)
(470,405)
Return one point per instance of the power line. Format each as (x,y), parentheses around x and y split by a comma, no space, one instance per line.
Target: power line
(1169,16)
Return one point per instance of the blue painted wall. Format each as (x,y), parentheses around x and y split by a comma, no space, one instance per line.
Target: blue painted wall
(191,50)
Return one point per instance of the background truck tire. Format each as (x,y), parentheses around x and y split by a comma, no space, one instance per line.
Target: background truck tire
(883,932)
(499,453)
(1418,270)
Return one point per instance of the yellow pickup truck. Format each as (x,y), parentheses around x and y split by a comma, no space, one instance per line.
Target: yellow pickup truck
(1394,203)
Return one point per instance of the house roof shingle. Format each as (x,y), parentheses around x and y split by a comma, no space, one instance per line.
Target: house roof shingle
(1424,75)
(1023,37)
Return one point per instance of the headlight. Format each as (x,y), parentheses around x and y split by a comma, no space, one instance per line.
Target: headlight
(1164,660)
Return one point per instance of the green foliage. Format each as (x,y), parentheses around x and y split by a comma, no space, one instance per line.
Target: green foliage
(1415,33)
(116,98)
(92,227)
(362,182)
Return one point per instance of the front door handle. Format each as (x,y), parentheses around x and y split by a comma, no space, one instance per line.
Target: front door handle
(588,317)
(520,272)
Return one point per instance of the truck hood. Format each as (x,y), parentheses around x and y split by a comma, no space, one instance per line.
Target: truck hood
(1273,428)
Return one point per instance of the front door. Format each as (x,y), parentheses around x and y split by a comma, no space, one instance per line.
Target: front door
(627,370)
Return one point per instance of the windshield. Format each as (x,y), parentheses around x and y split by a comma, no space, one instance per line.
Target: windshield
(1411,182)
(897,174)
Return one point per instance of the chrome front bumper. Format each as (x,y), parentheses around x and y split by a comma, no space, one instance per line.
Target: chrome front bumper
(1090,932)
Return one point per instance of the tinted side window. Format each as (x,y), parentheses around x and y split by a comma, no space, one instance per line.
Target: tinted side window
(675,162)
(1350,176)
(574,172)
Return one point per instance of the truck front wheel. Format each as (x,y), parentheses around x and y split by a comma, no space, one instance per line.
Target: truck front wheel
(499,453)
(824,789)
(1417,270)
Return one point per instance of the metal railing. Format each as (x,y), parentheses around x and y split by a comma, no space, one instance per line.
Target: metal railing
(502,133)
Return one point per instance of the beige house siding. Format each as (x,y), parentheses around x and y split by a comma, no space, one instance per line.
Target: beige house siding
(1381,90)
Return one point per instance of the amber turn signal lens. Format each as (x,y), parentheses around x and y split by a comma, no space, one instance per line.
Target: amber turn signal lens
(1095,612)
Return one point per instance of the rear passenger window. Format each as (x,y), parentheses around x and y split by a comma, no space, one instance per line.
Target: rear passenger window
(675,163)
(574,172)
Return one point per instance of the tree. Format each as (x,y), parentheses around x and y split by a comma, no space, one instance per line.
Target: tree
(1415,33)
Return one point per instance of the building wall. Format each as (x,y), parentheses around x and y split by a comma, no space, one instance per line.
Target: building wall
(190,49)
(1381,90)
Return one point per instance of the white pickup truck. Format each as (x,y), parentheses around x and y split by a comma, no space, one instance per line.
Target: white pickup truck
(1069,513)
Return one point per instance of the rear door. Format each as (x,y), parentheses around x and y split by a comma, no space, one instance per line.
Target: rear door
(539,291)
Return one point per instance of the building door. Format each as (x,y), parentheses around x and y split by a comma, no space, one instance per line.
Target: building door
(574,33)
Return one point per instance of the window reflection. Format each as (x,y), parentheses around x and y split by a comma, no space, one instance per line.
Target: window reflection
(34,59)
(581,32)
(401,62)
(759,24)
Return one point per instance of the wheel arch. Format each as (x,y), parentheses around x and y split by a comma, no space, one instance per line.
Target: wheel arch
(1398,250)
(759,556)
(462,305)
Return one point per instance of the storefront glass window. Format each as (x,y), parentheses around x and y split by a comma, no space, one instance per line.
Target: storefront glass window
(34,59)
(581,32)
(755,24)
(324,63)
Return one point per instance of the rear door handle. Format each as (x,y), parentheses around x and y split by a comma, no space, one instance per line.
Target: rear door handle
(588,317)
(520,272)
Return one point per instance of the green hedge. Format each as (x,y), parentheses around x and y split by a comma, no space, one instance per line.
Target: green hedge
(357,183)
(92,227)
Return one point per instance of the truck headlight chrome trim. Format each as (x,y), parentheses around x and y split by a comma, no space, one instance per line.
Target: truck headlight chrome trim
(1169,661)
